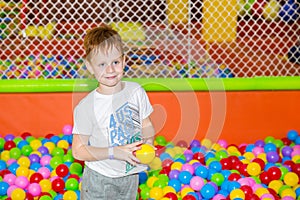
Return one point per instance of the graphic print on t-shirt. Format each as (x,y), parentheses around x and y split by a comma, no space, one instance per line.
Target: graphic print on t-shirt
(125,127)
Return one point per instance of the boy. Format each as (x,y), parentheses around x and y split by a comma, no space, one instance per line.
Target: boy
(110,123)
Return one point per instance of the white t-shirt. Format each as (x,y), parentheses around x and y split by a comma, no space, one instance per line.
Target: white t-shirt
(112,120)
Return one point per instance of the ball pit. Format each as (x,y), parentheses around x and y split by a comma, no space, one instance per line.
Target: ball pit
(193,170)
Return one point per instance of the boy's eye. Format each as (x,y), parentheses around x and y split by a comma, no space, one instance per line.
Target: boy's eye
(116,62)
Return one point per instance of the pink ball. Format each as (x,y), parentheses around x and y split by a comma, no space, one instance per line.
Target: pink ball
(196,183)
(9,178)
(45,160)
(223,143)
(267,196)
(10,161)
(188,167)
(295,152)
(45,172)
(21,182)
(258,150)
(244,181)
(10,190)
(287,198)
(34,189)
(218,197)
(67,129)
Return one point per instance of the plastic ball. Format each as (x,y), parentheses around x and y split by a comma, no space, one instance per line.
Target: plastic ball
(176,184)
(22,182)
(67,129)
(185,177)
(45,172)
(171,196)
(70,195)
(18,193)
(9,178)
(22,171)
(160,140)
(291,179)
(3,188)
(272,157)
(253,169)
(35,144)
(146,154)
(9,145)
(34,189)
(72,184)
(76,168)
(36,177)
(62,170)
(237,193)
(218,178)
(196,183)
(156,193)
(207,191)
(58,185)
(45,185)
(26,150)
(274,173)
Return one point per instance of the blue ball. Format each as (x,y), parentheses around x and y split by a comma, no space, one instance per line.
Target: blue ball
(22,143)
(175,184)
(233,185)
(216,165)
(13,167)
(202,171)
(143,177)
(297,141)
(292,135)
(2,165)
(270,147)
(3,188)
(207,191)
(185,177)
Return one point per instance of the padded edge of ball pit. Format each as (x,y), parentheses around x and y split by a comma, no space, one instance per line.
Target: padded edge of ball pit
(154,84)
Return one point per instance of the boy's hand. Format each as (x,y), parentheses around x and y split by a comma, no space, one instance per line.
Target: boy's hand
(125,152)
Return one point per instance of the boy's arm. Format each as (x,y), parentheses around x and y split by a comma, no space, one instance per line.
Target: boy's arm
(148,131)
(82,151)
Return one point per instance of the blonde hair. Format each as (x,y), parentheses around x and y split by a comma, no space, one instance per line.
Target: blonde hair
(103,39)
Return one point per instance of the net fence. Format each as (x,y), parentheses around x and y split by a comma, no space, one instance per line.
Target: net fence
(173,38)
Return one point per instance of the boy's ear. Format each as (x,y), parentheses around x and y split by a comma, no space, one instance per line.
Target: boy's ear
(89,66)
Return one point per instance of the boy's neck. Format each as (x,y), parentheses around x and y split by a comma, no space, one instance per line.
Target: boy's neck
(102,89)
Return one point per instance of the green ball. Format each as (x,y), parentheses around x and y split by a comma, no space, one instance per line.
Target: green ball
(218,178)
(55,161)
(2,142)
(221,154)
(72,184)
(269,139)
(76,168)
(160,183)
(57,152)
(26,150)
(161,140)
(29,139)
(17,140)
(45,197)
(68,158)
(145,193)
(15,153)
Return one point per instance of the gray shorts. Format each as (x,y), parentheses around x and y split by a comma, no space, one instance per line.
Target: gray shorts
(96,186)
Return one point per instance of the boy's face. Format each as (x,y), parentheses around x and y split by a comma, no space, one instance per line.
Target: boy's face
(107,68)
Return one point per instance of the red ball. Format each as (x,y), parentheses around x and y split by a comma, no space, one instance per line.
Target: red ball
(4,172)
(265,178)
(62,170)
(58,185)
(289,163)
(159,150)
(247,190)
(253,197)
(25,135)
(296,169)
(36,177)
(286,141)
(234,177)
(274,173)
(49,136)
(167,163)
(165,170)
(260,161)
(234,160)
(171,196)
(44,194)
(28,196)
(226,164)
(74,176)
(9,145)
(189,197)
(243,170)
(200,157)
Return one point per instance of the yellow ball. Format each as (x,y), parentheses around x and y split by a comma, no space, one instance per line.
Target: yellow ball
(186,190)
(176,165)
(171,152)
(261,191)
(291,179)
(146,154)
(70,195)
(156,193)
(151,180)
(35,144)
(45,185)
(237,193)
(50,146)
(249,156)
(63,144)
(288,192)
(17,194)
(5,155)
(206,142)
(168,189)
(253,169)
(24,161)
(156,164)
(22,171)
(276,185)
(178,150)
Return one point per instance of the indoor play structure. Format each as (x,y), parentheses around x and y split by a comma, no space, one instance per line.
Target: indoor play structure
(217,72)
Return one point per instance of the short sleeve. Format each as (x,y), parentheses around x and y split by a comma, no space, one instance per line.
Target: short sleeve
(82,122)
